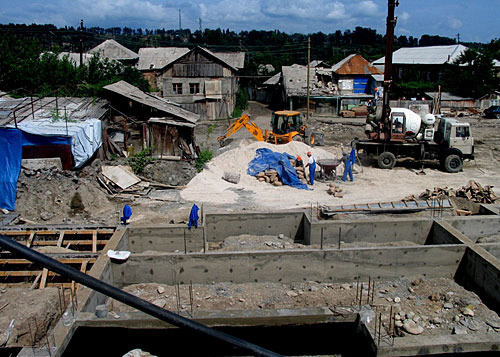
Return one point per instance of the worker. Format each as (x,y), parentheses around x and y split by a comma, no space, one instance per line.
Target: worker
(349,160)
(311,163)
(299,162)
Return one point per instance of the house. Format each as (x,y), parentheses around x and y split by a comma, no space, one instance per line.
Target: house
(421,63)
(348,83)
(74,57)
(112,50)
(154,61)
(354,74)
(203,82)
(109,49)
(488,100)
(445,101)
(143,120)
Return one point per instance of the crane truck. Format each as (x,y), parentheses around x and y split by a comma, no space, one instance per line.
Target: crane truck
(401,133)
(287,126)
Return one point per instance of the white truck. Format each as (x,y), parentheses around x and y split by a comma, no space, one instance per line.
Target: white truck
(411,136)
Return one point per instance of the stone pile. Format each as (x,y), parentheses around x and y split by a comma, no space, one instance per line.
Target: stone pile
(270,176)
(472,191)
(335,191)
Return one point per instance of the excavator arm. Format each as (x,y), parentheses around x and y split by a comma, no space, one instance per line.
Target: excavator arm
(243,121)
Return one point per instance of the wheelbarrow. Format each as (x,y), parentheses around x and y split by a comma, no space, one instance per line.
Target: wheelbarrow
(328,169)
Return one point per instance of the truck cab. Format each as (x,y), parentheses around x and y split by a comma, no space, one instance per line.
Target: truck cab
(456,135)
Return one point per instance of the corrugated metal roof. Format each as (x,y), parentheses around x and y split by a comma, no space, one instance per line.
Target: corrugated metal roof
(425,55)
(234,59)
(274,80)
(159,57)
(356,65)
(446,96)
(74,57)
(113,50)
(79,109)
(155,58)
(135,94)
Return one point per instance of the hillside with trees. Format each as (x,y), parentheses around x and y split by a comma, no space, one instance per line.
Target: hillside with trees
(25,71)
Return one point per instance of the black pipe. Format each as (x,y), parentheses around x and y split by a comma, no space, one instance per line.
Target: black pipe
(129,299)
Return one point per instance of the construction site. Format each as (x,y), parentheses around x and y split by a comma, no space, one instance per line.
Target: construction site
(299,237)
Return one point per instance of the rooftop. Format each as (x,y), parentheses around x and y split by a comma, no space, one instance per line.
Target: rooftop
(425,55)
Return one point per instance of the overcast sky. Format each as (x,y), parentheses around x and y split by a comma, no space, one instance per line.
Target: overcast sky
(475,20)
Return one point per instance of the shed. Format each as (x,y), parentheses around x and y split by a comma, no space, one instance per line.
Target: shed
(153,121)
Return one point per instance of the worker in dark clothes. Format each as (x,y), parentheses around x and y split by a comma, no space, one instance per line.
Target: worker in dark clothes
(311,163)
(299,162)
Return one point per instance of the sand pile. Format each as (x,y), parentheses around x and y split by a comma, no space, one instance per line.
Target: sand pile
(208,186)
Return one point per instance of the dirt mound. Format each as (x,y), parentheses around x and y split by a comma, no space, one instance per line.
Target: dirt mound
(177,173)
(56,196)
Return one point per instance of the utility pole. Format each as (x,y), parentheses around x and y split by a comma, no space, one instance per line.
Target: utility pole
(180,23)
(458,38)
(199,21)
(81,42)
(308,65)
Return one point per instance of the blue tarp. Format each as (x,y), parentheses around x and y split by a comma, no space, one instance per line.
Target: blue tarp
(266,159)
(11,152)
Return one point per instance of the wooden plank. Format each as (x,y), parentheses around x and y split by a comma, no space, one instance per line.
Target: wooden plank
(83,268)
(30,240)
(61,238)
(53,243)
(69,231)
(94,242)
(43,281)
(64,261)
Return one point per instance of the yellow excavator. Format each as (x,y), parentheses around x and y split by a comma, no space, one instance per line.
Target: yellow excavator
(286,126)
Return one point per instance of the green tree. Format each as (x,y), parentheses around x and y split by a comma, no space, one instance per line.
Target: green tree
(472,74)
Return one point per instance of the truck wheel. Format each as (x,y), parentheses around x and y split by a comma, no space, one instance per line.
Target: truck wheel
(453,163)
(298,138)
(386,160)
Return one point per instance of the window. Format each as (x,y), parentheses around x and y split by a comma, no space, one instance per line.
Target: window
(194,88)
(462,132)
(177,88)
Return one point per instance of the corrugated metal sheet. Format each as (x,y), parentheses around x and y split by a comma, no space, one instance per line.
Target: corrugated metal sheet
(51,107)
(135,94)
(113,50)
(235,59)
(425,55)
(74,57)
(274,80)
(354,65)
(155,58)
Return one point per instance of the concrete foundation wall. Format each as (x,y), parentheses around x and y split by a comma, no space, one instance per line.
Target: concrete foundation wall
(414,230)
(475,227)
(165,239)
(443,233)
(492,248)
(291,266)
(220,226)
(480,271)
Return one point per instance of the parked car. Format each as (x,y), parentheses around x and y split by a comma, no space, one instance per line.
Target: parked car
(492,112)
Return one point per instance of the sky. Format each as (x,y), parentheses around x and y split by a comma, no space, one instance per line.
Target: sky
(474,20)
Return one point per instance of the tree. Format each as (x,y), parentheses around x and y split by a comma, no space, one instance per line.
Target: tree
(472,74)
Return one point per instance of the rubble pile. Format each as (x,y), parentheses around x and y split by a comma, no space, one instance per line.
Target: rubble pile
(472,191)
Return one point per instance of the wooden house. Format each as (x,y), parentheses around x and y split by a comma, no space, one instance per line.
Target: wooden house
(200,80)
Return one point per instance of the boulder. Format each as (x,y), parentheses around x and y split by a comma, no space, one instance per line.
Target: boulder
(412,328)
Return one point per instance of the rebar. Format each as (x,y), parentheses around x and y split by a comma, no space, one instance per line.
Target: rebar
(369,286)
(379,327)
(321,246)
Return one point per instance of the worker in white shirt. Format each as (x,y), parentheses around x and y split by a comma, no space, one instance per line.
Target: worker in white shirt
(311,163)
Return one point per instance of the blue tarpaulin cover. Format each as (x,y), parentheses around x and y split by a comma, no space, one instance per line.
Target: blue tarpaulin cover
(11,152)
(266,159)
